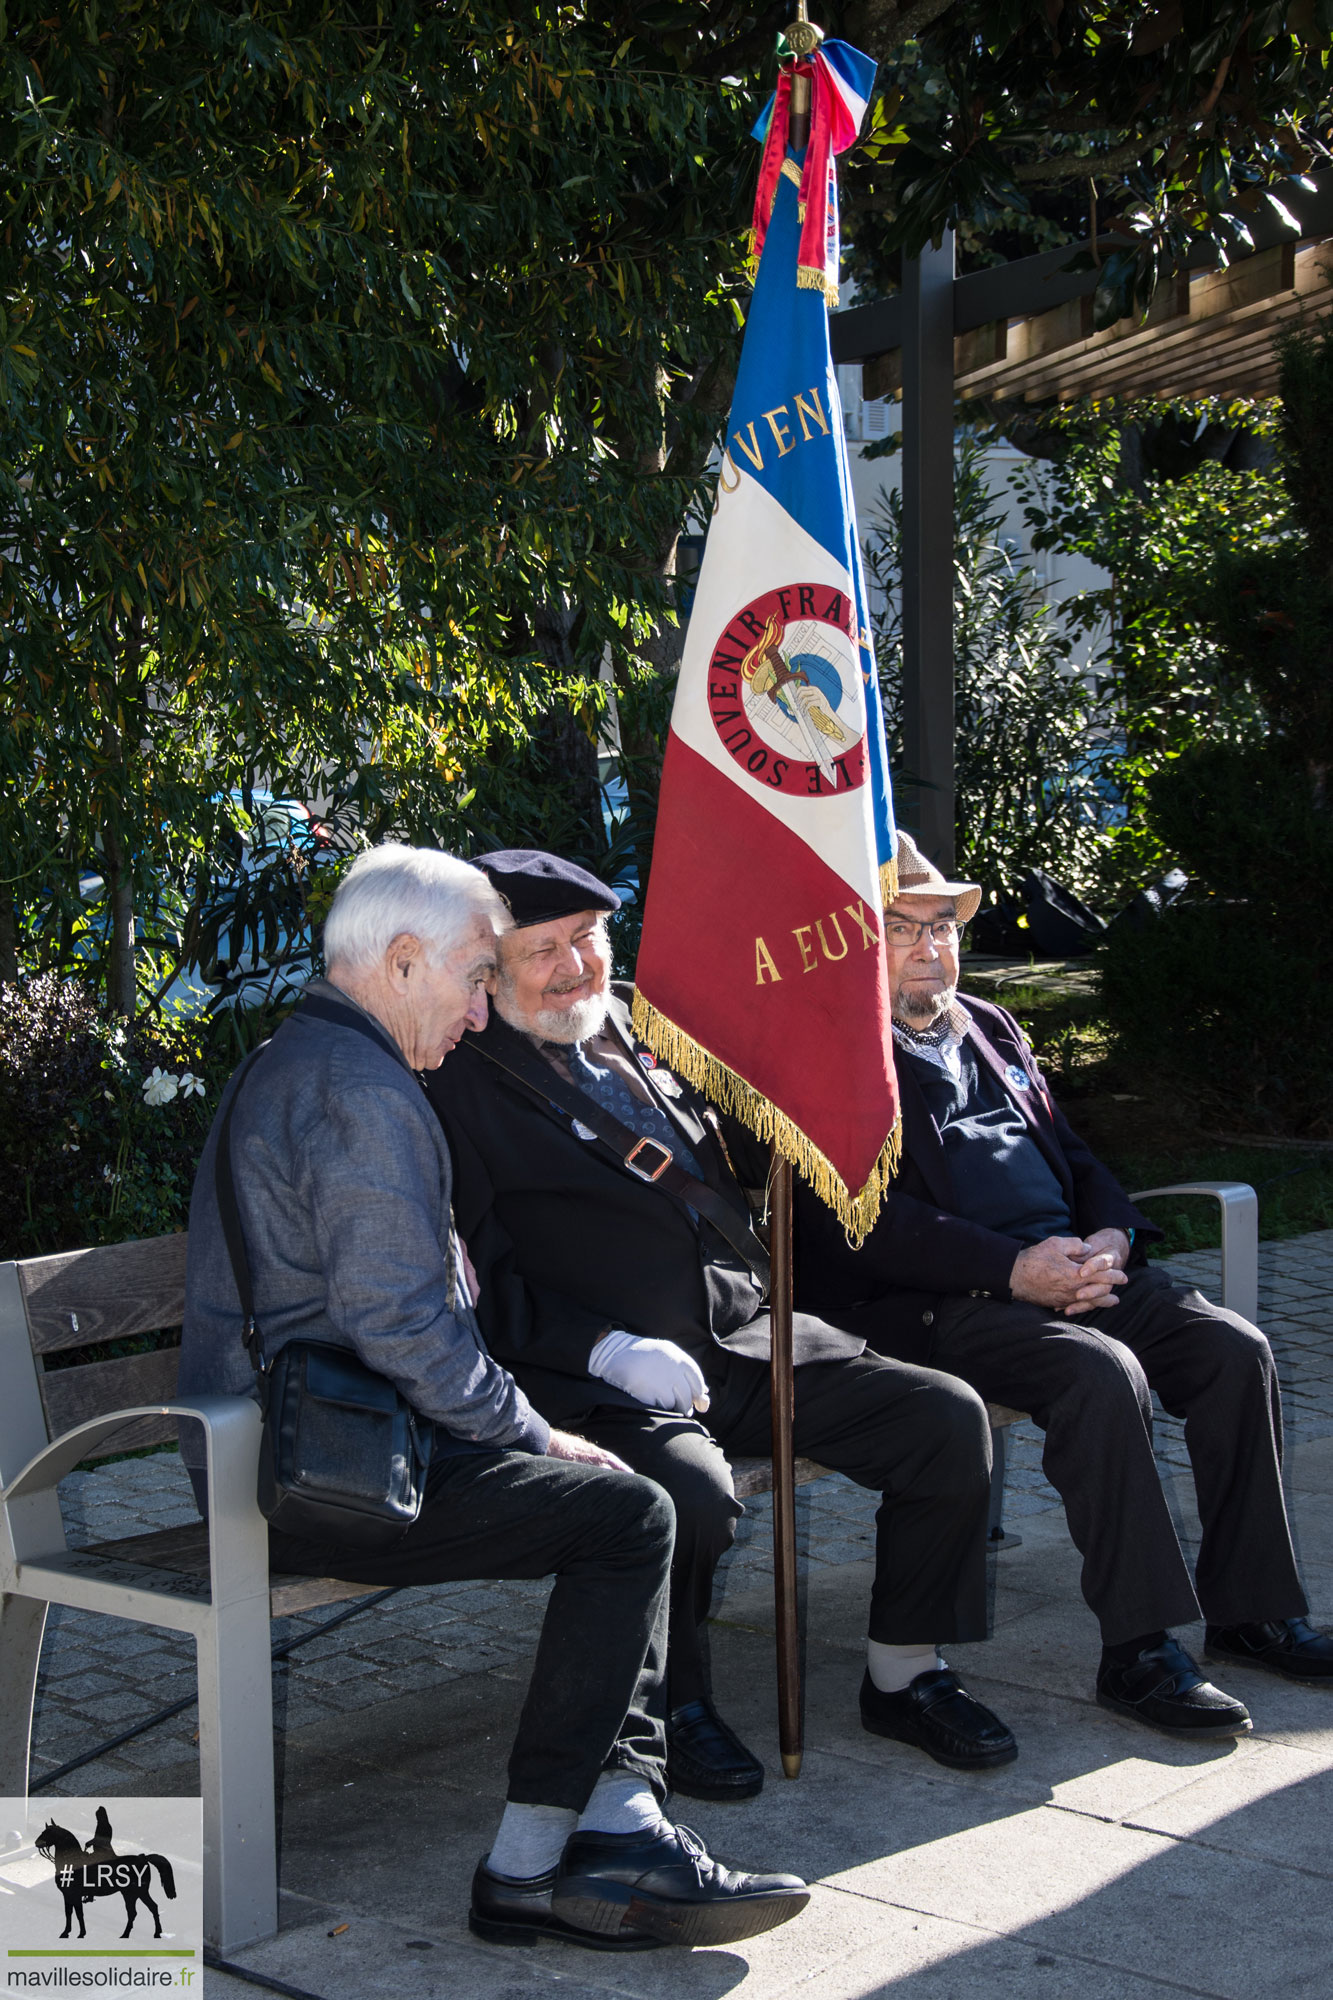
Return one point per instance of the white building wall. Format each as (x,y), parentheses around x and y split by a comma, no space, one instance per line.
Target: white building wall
(1060,575)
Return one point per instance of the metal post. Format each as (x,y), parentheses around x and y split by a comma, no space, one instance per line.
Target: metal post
(928,401)
(783,1403)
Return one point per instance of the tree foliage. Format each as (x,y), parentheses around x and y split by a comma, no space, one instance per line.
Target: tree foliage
(1227,990)
(1162,498)
(355,376)
(1154,127)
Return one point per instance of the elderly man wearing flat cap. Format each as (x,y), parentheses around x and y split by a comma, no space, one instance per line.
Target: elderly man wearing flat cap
(1006,1253)
(614,1257)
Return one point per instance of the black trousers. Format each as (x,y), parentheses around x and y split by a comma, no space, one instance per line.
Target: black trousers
(595,1701)
(1087,1383)
(919,1438)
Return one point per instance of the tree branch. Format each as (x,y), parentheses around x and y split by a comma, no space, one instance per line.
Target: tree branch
(1078,166)
(879,25)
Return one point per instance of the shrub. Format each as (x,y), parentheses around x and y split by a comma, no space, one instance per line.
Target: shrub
(101,1122)
(1225,993)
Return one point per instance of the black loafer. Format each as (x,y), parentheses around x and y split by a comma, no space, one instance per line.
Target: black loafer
(1287,1646)
(1165,1689)
(668,1885)
(706,1759)
(938,1715)
(508,1912)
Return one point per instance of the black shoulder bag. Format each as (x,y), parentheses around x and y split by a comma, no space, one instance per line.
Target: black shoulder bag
(343,1456)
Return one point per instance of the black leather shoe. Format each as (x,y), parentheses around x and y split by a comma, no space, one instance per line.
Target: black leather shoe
(507,1912)
(1165,1689)
(936,1712)
(706,1759)
(667,1884)
(1287,1646)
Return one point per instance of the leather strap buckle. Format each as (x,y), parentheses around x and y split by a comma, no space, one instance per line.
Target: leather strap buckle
(648,1172)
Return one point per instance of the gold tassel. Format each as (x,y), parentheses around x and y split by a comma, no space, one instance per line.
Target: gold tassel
(680,1052)
(809,279)
(888,881)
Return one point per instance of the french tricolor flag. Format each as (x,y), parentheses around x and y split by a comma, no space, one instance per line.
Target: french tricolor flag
(761,973)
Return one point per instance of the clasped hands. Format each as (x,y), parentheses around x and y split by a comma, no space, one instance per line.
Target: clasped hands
(1072,1274)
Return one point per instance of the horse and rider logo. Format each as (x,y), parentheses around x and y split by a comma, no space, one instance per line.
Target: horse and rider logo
(784,691)
(83,1873)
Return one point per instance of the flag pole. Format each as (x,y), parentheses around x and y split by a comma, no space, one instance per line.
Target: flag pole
(783,1398)
(803,38)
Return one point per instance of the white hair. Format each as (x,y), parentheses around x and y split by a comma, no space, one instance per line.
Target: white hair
(419,891)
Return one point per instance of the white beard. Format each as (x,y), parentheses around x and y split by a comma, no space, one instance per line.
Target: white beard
(568,1025)
(565,1025)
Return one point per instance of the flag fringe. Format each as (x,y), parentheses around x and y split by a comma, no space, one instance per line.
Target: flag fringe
(810,278)
(707,1073)
(888,881)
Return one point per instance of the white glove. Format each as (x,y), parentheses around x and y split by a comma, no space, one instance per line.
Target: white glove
(655,1372)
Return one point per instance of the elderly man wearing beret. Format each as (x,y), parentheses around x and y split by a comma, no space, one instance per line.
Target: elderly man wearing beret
(612,1247)
(342,1182)
(1006,1252)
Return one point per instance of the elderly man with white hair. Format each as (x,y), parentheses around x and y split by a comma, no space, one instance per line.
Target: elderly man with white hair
(343,1186)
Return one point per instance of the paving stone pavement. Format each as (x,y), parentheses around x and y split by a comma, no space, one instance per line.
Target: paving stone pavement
(99,1675)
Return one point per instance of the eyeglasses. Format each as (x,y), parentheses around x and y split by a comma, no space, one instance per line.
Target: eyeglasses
(904,933)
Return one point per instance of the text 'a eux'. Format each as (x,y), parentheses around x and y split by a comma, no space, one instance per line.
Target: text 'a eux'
(824,938)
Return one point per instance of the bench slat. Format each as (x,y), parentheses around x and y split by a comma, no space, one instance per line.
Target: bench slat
(752,1476)
(73,1396)
(82,1297)
(185,1552)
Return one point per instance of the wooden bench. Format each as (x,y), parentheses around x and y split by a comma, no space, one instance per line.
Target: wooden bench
(213,1583)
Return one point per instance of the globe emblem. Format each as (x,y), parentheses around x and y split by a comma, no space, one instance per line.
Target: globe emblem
(784,692)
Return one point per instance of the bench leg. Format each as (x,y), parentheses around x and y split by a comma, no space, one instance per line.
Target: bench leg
(236,1776)
(22,1622)
(997,1537)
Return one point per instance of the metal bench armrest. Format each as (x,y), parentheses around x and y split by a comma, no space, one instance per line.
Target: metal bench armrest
(1239,1205)
(238,1533)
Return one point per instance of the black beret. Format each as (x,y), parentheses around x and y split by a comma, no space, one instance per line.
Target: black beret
(541,887)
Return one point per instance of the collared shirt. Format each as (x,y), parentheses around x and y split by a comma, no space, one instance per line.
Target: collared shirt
(939,1043)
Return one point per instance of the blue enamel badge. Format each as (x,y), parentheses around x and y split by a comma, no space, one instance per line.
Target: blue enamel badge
(1019,1078)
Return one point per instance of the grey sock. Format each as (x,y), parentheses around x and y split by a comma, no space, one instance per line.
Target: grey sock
(621,1803)
(530,1840)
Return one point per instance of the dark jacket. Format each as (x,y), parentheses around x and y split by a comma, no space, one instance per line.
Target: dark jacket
(920,1249)
(342,1183)
(568,1242)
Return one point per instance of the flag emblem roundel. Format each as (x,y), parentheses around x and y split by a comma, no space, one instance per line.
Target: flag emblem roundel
(784,691)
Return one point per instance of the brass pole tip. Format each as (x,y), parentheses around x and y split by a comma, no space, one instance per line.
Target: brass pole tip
(803,37)
(791,1763)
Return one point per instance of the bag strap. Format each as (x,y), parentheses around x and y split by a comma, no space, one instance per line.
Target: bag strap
(647,1159)
(345,1017)
(224,1181)
(224,1174)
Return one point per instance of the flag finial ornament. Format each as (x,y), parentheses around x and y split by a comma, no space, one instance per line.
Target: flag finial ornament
(814,114)
(802,37)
